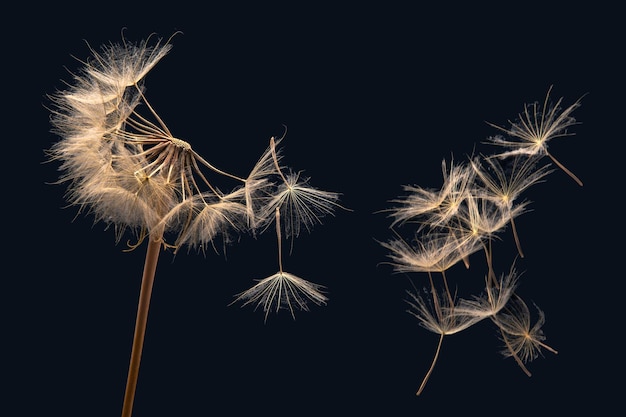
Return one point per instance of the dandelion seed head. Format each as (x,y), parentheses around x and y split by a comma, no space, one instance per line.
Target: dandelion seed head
(181,144)
(124,166)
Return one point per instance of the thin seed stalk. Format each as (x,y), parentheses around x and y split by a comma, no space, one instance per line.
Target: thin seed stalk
(516,236)
(512,351)
(147,281)
(432,365)
(567,171)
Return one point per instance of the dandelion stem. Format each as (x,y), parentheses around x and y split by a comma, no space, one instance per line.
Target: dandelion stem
(435,298)
(280,243)
(147,281)
(567,171)
(515,235)
(488,255)
(548,347)
(510,348)
(432,365)
(448,293)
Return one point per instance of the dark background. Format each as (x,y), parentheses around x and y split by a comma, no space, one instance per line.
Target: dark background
(374,97)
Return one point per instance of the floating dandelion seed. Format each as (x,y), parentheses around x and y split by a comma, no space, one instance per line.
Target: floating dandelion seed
(438,315)
(503,185)
(493,301)
(434,252)
(458,179)
(522,338)
(536,126)
(418,202)
(300,204)
(282,289)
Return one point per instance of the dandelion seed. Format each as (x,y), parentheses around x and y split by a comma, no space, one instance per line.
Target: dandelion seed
(300,204)
(458,179)
(479,221)
(480,218)
(430,208)
(432,253)
(537,126)
(203,217)
(504,186)
(523,340)
(439,316)
(493,301)
(417,203)
(282,289)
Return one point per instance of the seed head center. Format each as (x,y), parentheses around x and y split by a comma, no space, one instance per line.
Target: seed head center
(181,144)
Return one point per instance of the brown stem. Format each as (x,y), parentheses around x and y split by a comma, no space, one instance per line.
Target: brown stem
(432,366)
(147,281)
(280,243)
(548,348)
(490,272)
(515,235)
(567,171)
(517,359)
(435,297)
(449,294)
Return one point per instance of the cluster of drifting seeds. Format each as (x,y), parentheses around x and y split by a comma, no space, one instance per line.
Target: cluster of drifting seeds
(478,200)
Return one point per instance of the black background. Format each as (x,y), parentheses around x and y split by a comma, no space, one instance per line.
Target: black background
(374,97)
